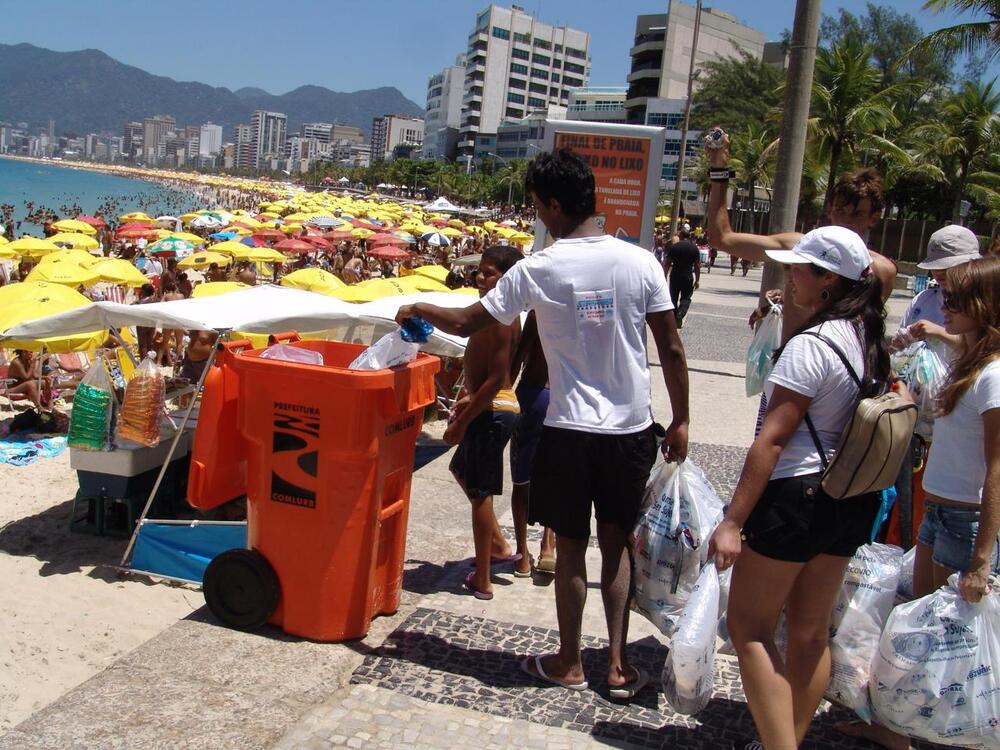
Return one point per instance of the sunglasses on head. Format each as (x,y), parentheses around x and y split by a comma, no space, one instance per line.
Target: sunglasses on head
(949,302)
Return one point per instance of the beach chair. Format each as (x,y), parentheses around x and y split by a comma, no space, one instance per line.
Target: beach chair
(8,398)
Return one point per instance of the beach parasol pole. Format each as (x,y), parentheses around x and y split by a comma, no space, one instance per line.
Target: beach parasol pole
(170,454)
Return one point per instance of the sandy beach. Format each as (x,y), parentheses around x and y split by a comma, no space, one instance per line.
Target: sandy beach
(66,614)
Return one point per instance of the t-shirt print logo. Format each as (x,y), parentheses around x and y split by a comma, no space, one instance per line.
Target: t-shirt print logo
(595,307)
(295,453)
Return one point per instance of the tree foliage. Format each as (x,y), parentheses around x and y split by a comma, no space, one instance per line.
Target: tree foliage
(735,92)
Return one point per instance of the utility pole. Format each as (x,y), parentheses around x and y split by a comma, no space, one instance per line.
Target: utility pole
(792,148)
(675,209)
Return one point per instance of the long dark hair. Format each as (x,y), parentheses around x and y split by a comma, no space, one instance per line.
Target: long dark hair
(860,304)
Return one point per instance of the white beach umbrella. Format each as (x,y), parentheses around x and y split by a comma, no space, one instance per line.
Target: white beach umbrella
(435,239)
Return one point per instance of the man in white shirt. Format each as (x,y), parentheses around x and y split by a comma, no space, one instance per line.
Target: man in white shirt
(593,296)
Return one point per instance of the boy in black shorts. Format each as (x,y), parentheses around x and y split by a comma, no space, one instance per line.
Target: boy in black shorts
(481,423)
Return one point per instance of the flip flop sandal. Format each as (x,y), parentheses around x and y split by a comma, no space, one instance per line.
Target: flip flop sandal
(539,674)
(546,565)
(527,573)
(469,586)
(513,557)
(629,689)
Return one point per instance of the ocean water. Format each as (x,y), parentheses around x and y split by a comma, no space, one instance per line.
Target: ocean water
(29,186)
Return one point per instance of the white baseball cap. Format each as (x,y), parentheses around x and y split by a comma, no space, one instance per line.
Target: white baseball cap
(837,249)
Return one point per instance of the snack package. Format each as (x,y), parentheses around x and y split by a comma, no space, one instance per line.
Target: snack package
(142,406)
(90,422)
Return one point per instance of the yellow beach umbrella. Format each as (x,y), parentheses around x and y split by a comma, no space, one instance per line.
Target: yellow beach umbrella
(521,237)
(7,254)
(138,216)
(20,303)
(475,229)
(229,247)
(68,273)
(312,280)
(362,233)
(265,255)
(80,257)
(457,223)
(241,231)
(215,288)
(118,271)
(74,225)
(33,246)
(290,228)
(194,239)
(204,260)
(3,240)
(451,232)
(79,241)
(438,273)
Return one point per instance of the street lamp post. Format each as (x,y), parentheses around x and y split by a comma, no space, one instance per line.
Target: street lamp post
(510,177)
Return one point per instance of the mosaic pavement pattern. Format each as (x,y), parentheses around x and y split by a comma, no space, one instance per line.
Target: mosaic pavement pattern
(473,663)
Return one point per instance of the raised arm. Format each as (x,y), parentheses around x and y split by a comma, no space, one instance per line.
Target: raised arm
(459,321)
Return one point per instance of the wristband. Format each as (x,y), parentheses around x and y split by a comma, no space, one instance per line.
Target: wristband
(720,174)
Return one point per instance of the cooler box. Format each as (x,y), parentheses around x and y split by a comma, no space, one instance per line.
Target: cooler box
(329,462)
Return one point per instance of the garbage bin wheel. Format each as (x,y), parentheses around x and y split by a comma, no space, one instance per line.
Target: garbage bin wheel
(241,588)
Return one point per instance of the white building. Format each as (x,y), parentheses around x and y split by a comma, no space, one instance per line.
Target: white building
(267,137)
(209,139)
(516,65)
(597,104)
(389,131)
(444,111)
(661,53)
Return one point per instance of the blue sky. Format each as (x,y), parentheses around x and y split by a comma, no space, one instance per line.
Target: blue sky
(340,44)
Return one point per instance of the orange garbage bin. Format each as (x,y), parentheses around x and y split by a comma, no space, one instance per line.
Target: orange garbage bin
(329,464)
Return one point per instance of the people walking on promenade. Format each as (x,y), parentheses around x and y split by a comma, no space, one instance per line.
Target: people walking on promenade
(593,296)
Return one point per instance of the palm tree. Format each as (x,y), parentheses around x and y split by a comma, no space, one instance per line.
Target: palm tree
(850,108)
(962,143)
(978,37)
(752,155)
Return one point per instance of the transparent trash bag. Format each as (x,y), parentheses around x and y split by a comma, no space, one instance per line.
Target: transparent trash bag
(866,597)
(286,353)
(93,403)
(904,591)
(923,369)
(766,339)
(671,540)
(937,672)
(396,348)
(142,406)
(689,670)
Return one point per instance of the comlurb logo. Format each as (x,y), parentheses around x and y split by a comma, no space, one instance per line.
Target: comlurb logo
(295,454)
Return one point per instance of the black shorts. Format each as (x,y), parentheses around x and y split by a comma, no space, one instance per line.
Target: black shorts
(478,460)
(795,520)
(574,470)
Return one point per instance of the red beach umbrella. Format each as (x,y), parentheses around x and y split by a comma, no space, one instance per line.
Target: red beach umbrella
(135,234)
(319,242)
(337,236)
(385,239)
(386,252)
(295,246)
(94,221)
(269,234)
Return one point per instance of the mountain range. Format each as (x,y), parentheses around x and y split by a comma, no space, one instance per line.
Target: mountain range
(88,91)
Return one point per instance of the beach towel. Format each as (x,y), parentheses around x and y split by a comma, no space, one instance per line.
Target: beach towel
(21,450)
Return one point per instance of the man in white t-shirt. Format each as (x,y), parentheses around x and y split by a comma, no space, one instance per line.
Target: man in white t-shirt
(593,296)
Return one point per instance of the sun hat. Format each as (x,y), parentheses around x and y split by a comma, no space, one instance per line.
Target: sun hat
(950,246)
(836,249)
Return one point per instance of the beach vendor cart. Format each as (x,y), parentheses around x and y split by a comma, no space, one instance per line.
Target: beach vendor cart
(324,453)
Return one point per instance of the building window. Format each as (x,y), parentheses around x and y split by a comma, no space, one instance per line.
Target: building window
(574,68)
(535,102)
(522,38)
(516,113)
(542,44)
(516,83)
(555,78)
(668,120)
(541,59)
(501,33)
(557,63)
(567,81)
(519,54)
(576,53)
(483,21)
(537,88)
(518,68)
(554,91)
(516,98)
(537,73)
(558,49)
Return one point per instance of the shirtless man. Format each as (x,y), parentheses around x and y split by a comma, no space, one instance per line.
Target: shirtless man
(173,338)
(533,400)
(481,424)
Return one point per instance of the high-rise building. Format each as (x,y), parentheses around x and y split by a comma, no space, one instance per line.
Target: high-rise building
(661,53)
(390,131)
(154,131)
(516,65)
(209,139)
(267,137)
(597,104)
(443,113)
(132,140)
(242,157)
(332,132)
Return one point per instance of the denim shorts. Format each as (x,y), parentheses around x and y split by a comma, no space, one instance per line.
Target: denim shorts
(950,531)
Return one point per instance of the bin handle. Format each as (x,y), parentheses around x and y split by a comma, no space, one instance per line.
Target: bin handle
(289,336)
(391,510)
(237,346)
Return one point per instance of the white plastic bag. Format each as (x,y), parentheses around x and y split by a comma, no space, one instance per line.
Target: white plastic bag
(766,339)
(904,591)
(866,598)
(937,673)
(287,353)
(689,670)
(923,368)
(389,351)
(671,540)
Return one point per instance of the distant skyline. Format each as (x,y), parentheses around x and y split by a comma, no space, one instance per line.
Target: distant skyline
(346,46)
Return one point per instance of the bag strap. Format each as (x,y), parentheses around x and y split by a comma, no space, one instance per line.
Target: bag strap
(816,442)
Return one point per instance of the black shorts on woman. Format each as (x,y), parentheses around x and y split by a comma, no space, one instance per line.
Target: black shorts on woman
(795,520)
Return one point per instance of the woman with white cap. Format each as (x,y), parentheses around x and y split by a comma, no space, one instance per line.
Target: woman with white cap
(798,540)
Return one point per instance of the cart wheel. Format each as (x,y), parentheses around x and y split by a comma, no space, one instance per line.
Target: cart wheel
(241,588)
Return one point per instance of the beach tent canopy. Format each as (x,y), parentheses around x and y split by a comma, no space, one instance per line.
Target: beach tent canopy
(444,205)
(260,309)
